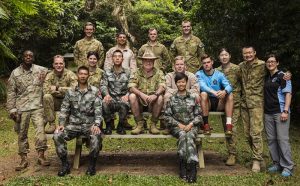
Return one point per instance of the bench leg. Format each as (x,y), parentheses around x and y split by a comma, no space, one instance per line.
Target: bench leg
(200,154)
(77,156)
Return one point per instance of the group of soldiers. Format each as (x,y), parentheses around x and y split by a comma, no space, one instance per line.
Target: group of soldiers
(118,82)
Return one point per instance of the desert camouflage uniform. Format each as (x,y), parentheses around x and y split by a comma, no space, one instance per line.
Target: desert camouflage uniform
(191,49)
(83,46)
(82,110)
(96,77)
(24,95)
(164,60)
(252,104)
(52,100)
(184,110)
(129,61)
(192,85)
(116,85)
(233,74)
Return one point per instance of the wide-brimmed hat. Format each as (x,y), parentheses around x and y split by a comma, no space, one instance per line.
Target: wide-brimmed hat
(148,55)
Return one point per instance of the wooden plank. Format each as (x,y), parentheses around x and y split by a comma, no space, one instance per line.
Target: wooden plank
(77,155)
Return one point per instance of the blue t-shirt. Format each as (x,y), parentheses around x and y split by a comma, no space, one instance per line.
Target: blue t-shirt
(217,81)
(274,92)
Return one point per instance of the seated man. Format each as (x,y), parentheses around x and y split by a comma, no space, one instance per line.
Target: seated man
(215,93)
(146,86)
(82,108)
(115,93)
(57,82)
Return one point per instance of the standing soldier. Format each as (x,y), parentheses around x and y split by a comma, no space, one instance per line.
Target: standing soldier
(129,61)
(115,93)
(252,108)
(24,102)
(188,46)
(164,60)
(57,82)
(81,114)
(95,72)
(88,43)
(233,74)
(146,86)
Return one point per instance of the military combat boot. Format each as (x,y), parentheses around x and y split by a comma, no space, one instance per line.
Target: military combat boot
(65,167)
(182,169)
(42,159)
(91,171)
(51,128)
(166,131)
(153,129)
(120,128)
(23,164)
(231,160)
(162,123)
(256,166)
(192,172)
(139,128)
(126,124)
(108,130)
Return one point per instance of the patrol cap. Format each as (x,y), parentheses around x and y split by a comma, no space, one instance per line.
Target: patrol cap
(148,55)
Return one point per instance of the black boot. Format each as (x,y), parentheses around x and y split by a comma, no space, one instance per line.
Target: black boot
(182,169)
(192,172)
(120,128)
(65,169)
(91,171)
(107,130)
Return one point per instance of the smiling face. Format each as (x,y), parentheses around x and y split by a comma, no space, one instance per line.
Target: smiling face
(122,39)
(58,64)
(92,60)
(186,28)
(224,57)
(181,84)
(89,30)
(179,66)
(249,54)
(148,64)
(272,64)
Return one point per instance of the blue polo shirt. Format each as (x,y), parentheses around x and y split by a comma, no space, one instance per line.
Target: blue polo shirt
(274,92)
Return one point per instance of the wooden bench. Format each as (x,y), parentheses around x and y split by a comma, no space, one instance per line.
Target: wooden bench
(199,138)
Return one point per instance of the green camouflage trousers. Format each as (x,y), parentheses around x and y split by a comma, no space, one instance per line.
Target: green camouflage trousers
(187,149)
(253,126)
(72,131)
(51,104)
(115,106)
(37,118)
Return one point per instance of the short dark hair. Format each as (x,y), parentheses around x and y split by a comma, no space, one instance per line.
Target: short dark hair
(152,29)
(204,56)
(91,53)
(83,68)
(120,33)
(180,76)
(224,49)
(248,46)
(117,51)
(272,55)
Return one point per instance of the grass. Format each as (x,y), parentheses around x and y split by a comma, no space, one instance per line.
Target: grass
(8,140)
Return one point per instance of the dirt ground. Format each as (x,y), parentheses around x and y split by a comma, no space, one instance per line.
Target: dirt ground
(133,163)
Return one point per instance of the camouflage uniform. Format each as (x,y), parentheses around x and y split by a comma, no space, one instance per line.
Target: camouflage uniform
(24,95)
(192,85)
(233,74)
(83,46)
(164,60)
(52,100)
(82,110)
(147,85)
(95,77)
(116,85)
(190,49)
(252,103)
(184,110)
(129,61)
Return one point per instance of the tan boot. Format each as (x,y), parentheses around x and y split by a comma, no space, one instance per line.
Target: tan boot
(51,128)
(23,164)
(256,166)
(231,160)
(153,129)
(42,159)
(166,131)
(139,128)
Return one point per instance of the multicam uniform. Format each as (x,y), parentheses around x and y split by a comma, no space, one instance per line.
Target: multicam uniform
(116,85)
(191,49)
(95,77)
(24,95)
(182,109)
(82,109)
(233,74)
(252,104)
(83,46)
(52,100)
(164,60)
(129,61)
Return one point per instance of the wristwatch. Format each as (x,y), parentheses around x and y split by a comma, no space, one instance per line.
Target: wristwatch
(285,111)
